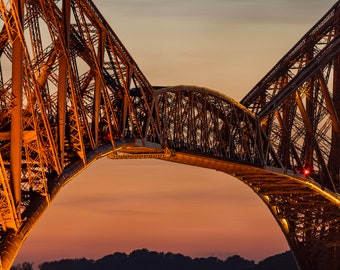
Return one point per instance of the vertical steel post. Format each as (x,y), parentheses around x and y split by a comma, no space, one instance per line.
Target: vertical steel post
(17,91)
(98,86)
(62,85)
(334,158)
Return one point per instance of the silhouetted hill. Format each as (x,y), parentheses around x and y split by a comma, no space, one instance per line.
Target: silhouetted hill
(144,259)
(284,261)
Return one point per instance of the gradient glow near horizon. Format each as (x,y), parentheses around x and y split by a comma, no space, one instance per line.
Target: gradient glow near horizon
(115,205)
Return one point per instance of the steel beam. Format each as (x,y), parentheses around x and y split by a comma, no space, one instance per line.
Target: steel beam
(98,86)
(17,91)
(63,79)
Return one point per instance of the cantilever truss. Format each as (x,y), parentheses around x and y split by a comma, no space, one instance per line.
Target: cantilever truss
(70,93)
(298,102)
(65,83)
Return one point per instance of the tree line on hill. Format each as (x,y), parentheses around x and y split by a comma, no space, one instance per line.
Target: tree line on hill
(144,259)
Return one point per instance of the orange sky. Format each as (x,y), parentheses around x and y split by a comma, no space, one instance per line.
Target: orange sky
(123,205)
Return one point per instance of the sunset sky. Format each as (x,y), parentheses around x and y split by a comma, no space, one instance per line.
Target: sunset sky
(116,205)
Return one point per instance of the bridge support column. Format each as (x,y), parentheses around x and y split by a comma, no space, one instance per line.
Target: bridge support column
(16,121)
(98,87)
(62,84)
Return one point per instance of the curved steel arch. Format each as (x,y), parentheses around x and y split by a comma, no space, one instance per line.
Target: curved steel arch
(75,94)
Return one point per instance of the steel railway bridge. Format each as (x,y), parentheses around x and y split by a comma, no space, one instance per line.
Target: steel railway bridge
(70,93)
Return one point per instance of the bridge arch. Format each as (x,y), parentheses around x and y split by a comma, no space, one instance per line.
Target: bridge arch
(208,111)
(78,95)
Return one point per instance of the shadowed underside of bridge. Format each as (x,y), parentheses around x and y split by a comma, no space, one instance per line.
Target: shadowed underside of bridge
(70,93)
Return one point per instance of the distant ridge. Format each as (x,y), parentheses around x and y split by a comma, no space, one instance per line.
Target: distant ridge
(143,259)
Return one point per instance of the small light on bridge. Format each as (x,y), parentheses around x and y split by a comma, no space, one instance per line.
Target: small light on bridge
(306,171)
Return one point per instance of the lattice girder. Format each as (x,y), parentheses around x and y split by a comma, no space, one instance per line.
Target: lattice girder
(297,102)
(201,120)
(73,94)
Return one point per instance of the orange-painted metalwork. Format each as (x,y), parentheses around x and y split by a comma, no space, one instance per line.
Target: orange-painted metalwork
(70,93)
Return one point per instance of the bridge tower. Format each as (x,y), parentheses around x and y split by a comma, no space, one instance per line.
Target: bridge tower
(70,93)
